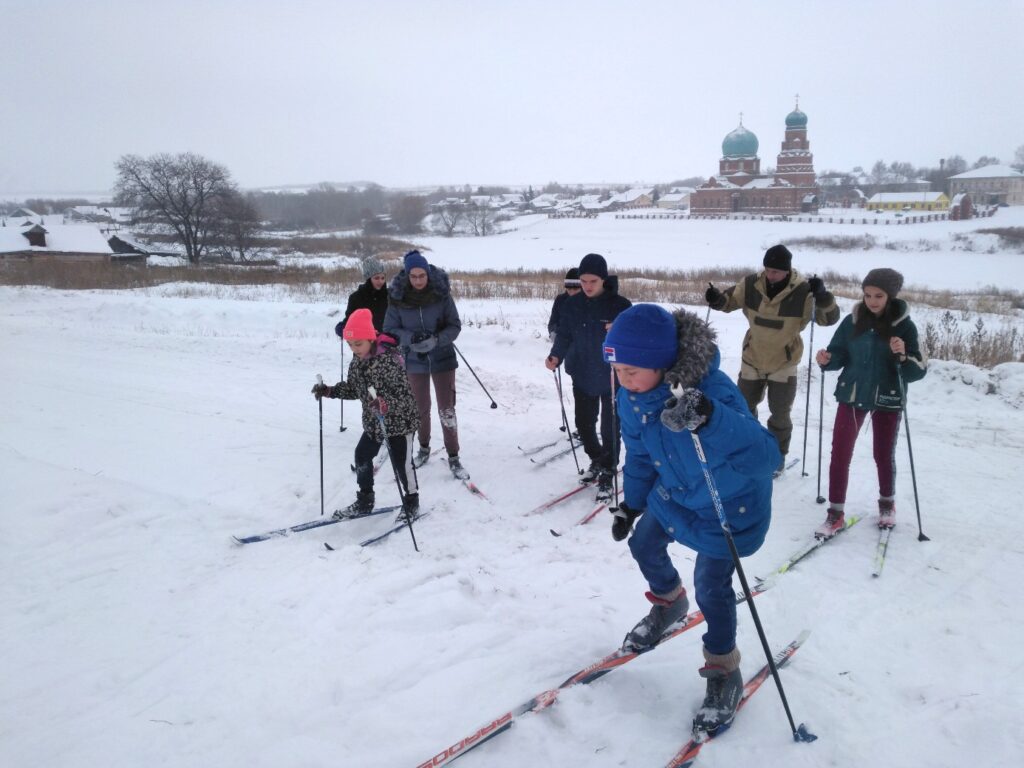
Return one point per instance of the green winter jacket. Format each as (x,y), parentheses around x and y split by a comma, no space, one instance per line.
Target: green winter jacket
(869,379)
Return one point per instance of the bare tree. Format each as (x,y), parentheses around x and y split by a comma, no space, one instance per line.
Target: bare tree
(449,216)
(180,192)
(1018,158)
(237,225)
(481,219)
(986,160)
(407,214)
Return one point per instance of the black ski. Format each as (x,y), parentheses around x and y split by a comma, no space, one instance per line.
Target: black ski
(319,523)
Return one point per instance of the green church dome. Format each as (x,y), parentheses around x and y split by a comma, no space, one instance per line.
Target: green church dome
(796,119)
(740,143)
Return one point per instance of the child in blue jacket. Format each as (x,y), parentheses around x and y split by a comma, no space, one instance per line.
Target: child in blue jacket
(668,369)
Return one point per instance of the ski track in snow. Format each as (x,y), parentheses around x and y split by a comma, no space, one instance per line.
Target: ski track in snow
(141,432)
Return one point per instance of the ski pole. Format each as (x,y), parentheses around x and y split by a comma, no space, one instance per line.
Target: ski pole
(799,733)
(320,406)
(394,467)
(493,404)
(821,426)
(341,399)
(614,506)
(807,407)
(910,449)
(565,419)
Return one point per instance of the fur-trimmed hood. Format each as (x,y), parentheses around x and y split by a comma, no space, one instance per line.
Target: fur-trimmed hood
(698,352)
(438,284)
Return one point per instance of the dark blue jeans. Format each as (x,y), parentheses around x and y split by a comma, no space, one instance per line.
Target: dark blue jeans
(712,581)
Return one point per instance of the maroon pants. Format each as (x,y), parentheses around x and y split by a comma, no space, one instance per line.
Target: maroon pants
(885,426)
(444,389)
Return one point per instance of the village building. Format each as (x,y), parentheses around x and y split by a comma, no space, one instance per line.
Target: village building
(990,185)
(740,187)
(47,242)
(908,201)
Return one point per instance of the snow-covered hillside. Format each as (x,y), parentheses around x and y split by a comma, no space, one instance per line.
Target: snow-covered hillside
(140,432)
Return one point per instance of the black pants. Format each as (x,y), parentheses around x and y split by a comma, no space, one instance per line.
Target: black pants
(401,454)
(606,450)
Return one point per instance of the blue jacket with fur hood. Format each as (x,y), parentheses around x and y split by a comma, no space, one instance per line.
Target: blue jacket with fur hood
(414,315)
(662,472)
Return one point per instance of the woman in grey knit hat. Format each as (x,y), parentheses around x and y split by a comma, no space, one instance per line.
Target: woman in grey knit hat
(371,295)
(876,349)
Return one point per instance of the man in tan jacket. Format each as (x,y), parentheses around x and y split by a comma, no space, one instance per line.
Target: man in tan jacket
(778,304)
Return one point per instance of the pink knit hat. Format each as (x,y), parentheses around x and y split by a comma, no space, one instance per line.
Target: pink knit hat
(360,326)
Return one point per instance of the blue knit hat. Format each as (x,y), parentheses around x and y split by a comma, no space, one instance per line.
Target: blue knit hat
(414,260)
(594,264)
(644,336)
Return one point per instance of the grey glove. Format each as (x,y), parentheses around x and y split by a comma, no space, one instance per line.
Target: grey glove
(424,345)
(688,409)
(622,523)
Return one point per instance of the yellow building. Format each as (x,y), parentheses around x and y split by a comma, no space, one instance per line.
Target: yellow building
(908,201)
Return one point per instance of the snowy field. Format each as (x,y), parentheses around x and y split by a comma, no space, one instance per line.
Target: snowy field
(141,431)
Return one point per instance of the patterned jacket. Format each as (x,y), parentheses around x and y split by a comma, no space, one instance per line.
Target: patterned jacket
(869,380)
(773,341)
(662,472)
(383,370)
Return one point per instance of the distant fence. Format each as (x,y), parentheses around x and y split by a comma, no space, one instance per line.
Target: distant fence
(820,219)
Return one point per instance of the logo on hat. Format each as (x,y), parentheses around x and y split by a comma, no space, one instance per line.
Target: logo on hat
(609,354)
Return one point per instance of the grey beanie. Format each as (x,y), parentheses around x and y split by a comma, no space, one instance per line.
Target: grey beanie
(372,266)
(889,280)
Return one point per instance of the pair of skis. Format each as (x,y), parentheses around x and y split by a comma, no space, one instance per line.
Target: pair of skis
(319,523)
(621,656)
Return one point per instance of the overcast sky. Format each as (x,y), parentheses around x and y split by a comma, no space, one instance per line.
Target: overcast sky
(411,93)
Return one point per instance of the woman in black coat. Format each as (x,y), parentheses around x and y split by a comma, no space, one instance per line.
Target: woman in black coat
(371,295)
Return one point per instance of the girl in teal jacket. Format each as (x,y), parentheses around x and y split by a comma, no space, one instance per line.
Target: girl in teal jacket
(877,351)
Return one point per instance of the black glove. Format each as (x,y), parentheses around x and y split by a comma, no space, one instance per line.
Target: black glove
(424,344)
(340,329)
(322,390)
(817,287)
(688,409)
(622,522)
(712,295)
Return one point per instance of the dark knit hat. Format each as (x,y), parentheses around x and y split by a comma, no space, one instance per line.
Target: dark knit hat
(572,278)
(778,257)
(415,260)
(644,335)
(889,280)
(594,264)
(372,266)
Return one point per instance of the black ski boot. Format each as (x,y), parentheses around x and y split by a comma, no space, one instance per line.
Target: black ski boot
(410,508)
(648,632)
(362,506)
(458,471)
(604,487)
(421,457)
(725,688)
(591,473)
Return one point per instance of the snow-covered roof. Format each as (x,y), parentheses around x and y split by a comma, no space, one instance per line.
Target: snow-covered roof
(990,172)
(958,198)
(766,181)
(673,197)
(906,197)
(60,238)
